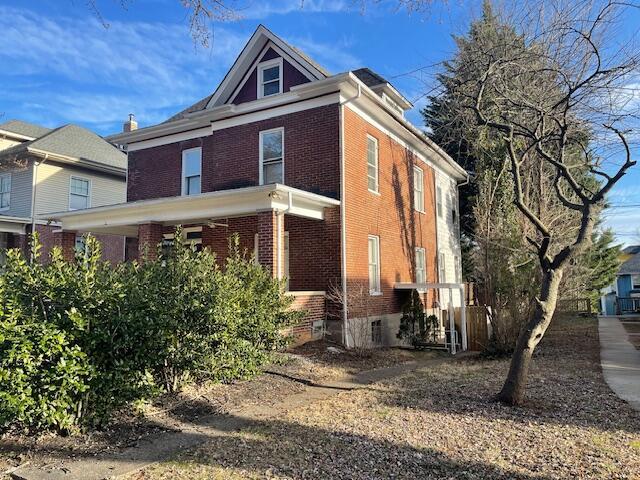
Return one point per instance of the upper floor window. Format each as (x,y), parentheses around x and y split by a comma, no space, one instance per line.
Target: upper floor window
(272,156)
(372,164)
(635,282)
(421,265)
(439,201)
(374,264)
(5,191)
(270,78)
(418,189)
(79,193)
(191,171)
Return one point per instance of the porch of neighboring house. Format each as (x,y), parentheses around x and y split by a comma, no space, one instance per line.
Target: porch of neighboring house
(291,232)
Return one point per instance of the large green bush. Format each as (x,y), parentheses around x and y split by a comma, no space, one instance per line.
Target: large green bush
(81,339)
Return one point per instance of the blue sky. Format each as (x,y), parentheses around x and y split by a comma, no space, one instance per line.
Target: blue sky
(61,65)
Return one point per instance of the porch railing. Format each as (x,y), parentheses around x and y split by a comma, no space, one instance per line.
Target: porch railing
(574,305)
(628,305)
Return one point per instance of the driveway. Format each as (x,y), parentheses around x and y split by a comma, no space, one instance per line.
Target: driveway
(620,360)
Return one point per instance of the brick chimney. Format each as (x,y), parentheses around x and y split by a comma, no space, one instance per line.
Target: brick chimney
(131,124)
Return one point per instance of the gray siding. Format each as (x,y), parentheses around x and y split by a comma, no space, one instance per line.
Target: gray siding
(21,184)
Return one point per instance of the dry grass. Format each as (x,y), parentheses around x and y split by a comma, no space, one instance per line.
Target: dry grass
(310,362)
(441,424)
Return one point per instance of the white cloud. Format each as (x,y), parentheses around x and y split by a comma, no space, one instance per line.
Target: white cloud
(260,10)
(95,75)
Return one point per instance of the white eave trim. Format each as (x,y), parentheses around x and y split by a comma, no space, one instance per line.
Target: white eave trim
(124,218)
(16,136)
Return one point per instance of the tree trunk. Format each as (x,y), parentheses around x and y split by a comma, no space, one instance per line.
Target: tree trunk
(513,389)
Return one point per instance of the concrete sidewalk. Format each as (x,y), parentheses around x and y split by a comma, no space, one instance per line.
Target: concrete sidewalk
(620,360)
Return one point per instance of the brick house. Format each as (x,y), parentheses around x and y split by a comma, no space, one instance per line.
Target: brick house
(46,170)
(322,177)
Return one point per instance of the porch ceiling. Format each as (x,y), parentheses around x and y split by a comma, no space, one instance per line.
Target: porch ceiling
(124,218)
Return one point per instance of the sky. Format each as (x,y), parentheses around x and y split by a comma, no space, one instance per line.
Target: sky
(60,63)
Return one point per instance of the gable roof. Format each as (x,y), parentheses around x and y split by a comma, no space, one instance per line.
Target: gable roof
(24,129)
(76,144)
(631,266)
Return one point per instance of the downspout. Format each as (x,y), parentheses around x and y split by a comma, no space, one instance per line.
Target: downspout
(34,183)
(343,218)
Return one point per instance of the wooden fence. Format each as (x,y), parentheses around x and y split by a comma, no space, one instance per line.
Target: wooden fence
(478,326)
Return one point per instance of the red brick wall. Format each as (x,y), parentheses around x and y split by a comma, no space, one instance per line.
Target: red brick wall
(230,157)
(314,305)
(390,215)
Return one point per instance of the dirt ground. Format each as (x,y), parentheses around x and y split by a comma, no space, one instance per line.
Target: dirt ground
(442,423)
(308,363)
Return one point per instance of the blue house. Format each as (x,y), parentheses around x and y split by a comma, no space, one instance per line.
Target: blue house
(624,297)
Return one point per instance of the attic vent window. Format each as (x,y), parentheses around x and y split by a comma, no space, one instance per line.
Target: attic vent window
(270,78)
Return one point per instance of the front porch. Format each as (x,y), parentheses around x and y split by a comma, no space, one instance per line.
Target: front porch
(292,233)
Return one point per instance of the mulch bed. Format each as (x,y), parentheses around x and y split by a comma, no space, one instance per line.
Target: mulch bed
(442,423)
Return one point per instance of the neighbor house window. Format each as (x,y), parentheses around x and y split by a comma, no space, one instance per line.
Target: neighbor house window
(635,281)
(270,78)
(421,265)
(442,268)
(80,245)
(439,201)
(192,171)
(372,164)
(458,267)
(272,156)
(79,191)
(5,191)
(374,264)
(418,189)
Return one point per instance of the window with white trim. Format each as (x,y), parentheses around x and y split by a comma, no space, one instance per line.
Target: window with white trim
(442,268)
(418,189)
(5,191)
(635,282)
(372,164)
(421,265)
(272,156)
(374,264)
(439,201)
(270,78)
(192,171)
(191,237)
(79,193)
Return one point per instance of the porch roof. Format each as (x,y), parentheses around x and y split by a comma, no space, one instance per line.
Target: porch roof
(124,218)
(13,224)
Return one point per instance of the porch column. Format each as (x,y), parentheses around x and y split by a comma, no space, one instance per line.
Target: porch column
(149,237)
(270,242)
(66,240)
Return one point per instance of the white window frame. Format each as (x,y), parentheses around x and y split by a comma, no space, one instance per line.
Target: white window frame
(442,267)
(262,66)
(377,290)
(184,178)
(89,189)
(439,201)
(261,163)
(421,250)
(635,286)
(2,176)
(377,165)
(418,193)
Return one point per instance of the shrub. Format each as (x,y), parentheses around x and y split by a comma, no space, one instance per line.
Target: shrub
(81,339)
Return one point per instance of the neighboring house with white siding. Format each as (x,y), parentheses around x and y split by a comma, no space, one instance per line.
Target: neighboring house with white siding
(44,170)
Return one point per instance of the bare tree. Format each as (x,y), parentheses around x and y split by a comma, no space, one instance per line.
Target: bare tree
(561,100)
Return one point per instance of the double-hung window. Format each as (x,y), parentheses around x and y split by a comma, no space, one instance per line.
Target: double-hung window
(442,268)
(372,164)
(270,78)
(79,193)
(374,264)
(191,171)
(272,156)
(439,201)
(418,189)
(635,282)
(421,265)
(5,191)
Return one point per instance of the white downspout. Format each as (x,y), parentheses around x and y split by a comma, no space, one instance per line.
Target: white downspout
(34,183)
(343,219)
